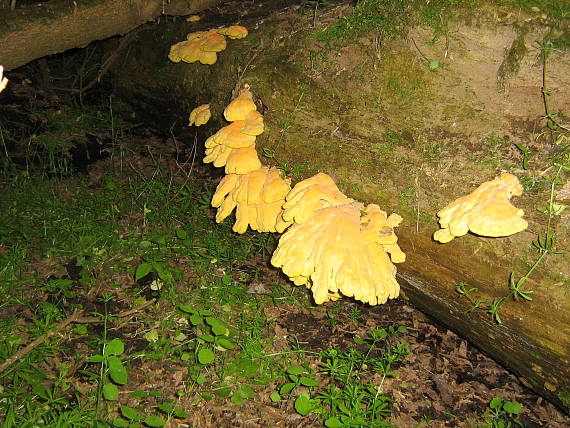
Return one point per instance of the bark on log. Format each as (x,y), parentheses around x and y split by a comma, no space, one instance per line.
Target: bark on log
(43,29)
(393,133)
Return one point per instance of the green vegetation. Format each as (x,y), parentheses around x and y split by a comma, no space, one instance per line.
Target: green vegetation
(390,19)
(502,414)
(350,398)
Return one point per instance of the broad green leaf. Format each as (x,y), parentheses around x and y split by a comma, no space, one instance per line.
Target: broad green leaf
(220,330)
(155,421)
(110,392)
(120,423)
(139,393)
(201,379)
(237,398)
(512,408)
(96,359)
(303,404)
(187,308)
(296,370)
(207,338)
(129,413)
(143,270)
(205,356)
(287,388)
(117,371)
(195,319)
(179,413)
(225,343)
(114,347)
(496,403)
(307,381)
(333,422)
(165,407)
(275,397)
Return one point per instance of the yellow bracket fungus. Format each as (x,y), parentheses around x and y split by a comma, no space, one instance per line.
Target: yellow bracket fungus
(331,254)
(234,32)
(199,46)
(257,196)
(200,115)
(234,144)
(203,45)
(193,18)
(240,106)
(3,80)
(316,192)
(486,211)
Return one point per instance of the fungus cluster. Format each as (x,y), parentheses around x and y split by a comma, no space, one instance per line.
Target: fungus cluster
(331,243)
(233,146)
(256,192)
(487,211)
(203,46)
(337,246)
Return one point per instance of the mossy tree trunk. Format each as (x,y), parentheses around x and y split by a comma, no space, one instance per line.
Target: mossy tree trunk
(35,31)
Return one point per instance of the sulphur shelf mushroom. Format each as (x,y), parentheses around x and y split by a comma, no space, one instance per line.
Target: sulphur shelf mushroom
(331,255)
(233,146)
(486,211)
(199,46)
(240,106)
(200,115)
(311,194)
(234,32)
(3,80)
(257,197)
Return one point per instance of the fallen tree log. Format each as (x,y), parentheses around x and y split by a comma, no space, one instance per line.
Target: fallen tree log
(38,30)
(372,114)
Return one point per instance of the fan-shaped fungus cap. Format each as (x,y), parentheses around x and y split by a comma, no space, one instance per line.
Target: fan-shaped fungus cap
(234,32)
(249,192)
(242,161)
(240,106)
(231,136)
(3,80)
(327,253)
(486,211)
(199,46)
(316,192)
(378,228)
(193,18)
(200,115)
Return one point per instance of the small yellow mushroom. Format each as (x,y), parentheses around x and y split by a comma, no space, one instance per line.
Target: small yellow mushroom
(200,115)
(234,32)
(486,211)
(193,18)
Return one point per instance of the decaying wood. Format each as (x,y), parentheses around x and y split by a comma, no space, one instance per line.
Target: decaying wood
(32,32)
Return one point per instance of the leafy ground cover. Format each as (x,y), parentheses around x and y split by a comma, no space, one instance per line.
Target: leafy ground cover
(124,304)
